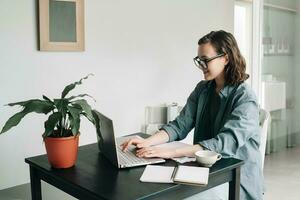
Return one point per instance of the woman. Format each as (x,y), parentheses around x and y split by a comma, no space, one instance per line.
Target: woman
(223,110)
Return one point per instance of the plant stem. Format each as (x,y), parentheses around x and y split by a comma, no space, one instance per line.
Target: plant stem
(61,128)
(66,122)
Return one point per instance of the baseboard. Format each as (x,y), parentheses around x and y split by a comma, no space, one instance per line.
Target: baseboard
(282,141)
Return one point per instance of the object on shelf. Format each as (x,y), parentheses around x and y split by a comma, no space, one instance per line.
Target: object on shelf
(173,111)
(267,41)
(153,128)
(157,116)
(273,95)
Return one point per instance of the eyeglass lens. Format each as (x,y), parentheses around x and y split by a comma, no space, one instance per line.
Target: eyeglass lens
(200,63)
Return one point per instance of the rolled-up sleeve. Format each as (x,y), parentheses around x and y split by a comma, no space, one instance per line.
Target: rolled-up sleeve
(240,125)
(185,122)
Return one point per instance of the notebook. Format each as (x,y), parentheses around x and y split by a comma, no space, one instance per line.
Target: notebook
(179,174)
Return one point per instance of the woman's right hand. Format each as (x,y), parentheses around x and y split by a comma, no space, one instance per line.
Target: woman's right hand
(137,141)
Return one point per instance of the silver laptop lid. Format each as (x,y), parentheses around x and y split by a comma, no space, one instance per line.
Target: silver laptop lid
(107,145)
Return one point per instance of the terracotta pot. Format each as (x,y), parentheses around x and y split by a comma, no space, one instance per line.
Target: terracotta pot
(62,152)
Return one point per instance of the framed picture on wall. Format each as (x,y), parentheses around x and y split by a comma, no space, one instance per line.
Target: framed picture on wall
(61,25)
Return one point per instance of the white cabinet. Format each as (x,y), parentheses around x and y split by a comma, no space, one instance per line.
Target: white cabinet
(273,95)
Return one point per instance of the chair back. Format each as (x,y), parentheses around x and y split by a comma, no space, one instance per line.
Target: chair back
(264,121)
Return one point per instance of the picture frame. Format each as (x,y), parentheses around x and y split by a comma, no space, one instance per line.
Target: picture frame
(61,25)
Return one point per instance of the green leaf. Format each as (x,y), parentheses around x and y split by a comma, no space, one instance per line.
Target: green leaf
(97,124)
(71,86)
(61,105)
(50,124)
(23,103)
(39,106)
(13,121)
(81,95)
(35,105)
(75,111)
(91,120)
(74,118)
(47,99)
(75,124)
(85,107)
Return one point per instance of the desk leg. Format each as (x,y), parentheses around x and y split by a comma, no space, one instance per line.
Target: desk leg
(35,183)
(234,185)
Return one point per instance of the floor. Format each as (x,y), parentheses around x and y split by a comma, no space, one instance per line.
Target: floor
(282,175)
(282,180)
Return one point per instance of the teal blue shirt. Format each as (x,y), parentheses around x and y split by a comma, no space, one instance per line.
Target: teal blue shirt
(235,134)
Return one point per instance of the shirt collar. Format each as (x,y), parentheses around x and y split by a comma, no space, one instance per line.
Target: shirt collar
(225,92)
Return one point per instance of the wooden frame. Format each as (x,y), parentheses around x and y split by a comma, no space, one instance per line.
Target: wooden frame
(61,42)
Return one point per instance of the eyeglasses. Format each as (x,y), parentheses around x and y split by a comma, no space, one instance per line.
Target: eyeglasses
(202,63)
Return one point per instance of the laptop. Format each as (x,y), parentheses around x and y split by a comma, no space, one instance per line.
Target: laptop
(111,149)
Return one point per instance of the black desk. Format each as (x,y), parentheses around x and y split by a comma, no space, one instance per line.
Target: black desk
(93,177)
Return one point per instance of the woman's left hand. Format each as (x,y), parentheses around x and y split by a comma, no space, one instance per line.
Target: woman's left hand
(159,152)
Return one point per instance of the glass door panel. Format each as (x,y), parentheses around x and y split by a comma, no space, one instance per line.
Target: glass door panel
(279,67)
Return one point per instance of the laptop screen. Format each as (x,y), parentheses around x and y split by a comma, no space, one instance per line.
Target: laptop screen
(108,145)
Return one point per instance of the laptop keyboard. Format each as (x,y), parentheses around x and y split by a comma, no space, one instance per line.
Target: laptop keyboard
(129,157)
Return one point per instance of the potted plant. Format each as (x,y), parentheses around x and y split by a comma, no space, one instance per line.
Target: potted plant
(62,126)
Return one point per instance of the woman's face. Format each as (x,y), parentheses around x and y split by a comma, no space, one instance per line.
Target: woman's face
(215,67)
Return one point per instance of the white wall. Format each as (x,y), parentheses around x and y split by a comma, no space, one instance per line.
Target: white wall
(296,125)
(140,52)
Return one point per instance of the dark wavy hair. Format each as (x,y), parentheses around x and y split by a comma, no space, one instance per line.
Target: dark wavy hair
(224,42)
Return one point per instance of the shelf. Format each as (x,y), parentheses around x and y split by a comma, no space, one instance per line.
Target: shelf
(278,54)
(245,1)
(272,6)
